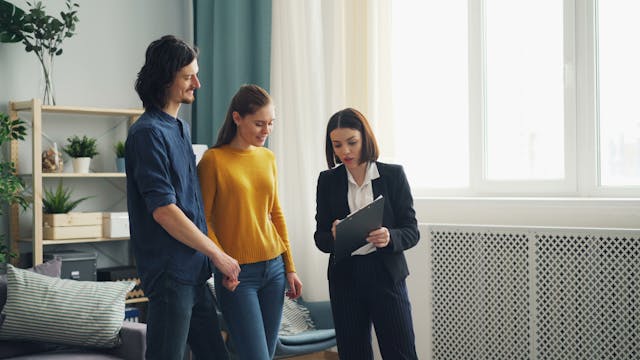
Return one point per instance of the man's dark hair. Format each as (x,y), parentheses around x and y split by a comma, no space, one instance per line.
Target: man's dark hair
(163,59)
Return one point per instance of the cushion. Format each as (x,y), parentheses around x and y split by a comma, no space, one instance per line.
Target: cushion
(308,337)
(79,313)
(295,318)
(52,268)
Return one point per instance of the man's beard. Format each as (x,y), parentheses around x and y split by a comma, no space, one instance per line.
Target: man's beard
(189,100)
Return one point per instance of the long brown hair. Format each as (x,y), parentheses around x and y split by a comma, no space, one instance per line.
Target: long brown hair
(350,118)
(248,100)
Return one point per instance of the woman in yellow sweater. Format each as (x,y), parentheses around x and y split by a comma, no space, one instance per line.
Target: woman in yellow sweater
(238,179)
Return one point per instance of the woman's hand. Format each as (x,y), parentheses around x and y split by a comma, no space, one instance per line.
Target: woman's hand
(380,237)
(295,286)
(229,283)
(333,228)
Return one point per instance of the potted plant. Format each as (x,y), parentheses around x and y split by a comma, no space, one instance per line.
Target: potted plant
(12,190)
(119,150)
(58,220)
(82,150)
(39,32)
(59,201)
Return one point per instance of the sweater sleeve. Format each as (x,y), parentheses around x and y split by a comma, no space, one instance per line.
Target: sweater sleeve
(277,217)
(207,178)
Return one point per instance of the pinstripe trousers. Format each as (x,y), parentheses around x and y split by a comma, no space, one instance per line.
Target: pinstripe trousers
(363,294)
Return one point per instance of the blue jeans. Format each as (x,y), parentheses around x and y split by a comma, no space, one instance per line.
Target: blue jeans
(178,314)
(254,310)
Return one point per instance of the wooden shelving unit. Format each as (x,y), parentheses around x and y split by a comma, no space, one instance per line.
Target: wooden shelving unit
(35,178)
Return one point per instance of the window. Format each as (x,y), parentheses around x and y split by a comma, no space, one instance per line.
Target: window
(515,97)
(618,92)
(524,90)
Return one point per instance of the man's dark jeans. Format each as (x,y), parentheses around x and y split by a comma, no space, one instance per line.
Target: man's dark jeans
(178,314)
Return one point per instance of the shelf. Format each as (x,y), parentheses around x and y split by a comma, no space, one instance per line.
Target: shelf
(86,175)
(81,175)
(37,179)
(77,241)
(80,110)
(136,300)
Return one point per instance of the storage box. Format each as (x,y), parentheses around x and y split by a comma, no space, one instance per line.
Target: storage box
(115,224)
(76,265)
(73,225)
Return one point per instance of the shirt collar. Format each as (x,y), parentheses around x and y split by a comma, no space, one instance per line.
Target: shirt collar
(370,174)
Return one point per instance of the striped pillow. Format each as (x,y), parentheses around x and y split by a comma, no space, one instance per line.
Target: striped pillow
(80,313)
(295,318)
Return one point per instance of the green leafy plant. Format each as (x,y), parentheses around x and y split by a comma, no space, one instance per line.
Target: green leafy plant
(59,201)
(119,149)
(38,32)
(81,147)
(12,191)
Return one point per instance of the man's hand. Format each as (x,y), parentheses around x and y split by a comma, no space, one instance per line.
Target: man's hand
(226,264)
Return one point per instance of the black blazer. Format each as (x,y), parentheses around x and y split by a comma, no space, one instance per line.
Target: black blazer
(399,216)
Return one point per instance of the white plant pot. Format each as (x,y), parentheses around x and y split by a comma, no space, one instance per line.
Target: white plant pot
(81,165)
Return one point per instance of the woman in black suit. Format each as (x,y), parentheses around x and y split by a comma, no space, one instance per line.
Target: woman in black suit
(368,287)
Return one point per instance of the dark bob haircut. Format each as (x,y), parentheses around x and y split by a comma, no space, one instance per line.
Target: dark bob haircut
(163,59)
(351,119)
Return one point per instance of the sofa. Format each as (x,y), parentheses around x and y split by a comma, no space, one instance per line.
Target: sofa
(45,317)
(133,347)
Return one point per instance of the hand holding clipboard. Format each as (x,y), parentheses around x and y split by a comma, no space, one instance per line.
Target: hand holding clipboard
(352,231)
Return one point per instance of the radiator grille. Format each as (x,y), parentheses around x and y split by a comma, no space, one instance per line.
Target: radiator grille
(518,293)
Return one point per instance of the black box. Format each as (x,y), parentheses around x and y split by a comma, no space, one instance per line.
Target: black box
(117,273)
(76,265)
(122,273)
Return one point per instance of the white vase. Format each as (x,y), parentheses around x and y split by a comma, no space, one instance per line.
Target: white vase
(81,165)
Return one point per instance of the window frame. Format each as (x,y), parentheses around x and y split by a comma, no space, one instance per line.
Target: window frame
(581,153)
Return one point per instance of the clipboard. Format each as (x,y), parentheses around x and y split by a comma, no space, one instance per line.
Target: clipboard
(352,231)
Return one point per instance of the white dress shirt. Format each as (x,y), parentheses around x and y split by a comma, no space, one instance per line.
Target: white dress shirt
(361,196)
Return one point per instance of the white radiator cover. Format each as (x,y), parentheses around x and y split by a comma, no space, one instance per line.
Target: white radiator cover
(534,293)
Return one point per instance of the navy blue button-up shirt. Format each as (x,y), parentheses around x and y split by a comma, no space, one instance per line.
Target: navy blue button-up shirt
(161,170)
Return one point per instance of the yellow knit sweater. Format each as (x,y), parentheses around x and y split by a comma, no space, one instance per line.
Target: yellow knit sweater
(241,206)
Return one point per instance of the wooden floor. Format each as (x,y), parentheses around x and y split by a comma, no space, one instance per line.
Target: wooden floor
(326,355)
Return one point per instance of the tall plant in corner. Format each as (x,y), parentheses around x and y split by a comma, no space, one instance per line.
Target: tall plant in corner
(38,32)
(11,186)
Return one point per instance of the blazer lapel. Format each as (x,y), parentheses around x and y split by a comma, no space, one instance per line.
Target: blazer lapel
(341,188)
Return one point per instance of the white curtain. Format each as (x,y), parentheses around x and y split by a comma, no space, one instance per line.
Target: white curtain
(325,55)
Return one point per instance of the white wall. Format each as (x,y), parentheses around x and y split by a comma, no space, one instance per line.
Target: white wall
(100,63)
(559,212)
